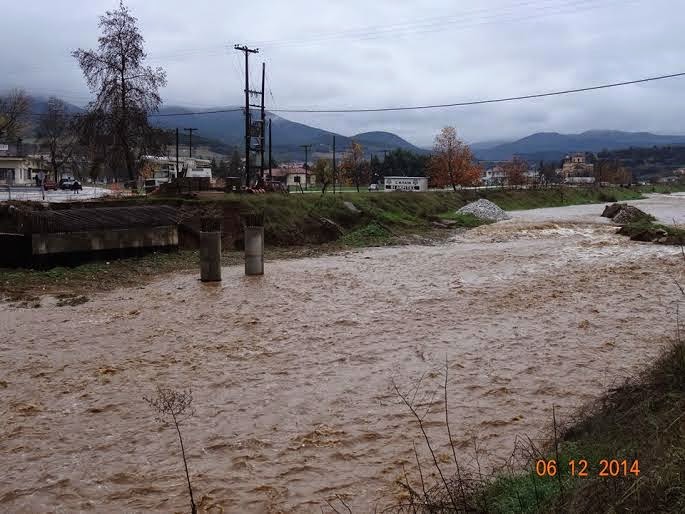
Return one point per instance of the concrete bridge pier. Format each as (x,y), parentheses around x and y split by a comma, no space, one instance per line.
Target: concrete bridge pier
(254,244)
(210,250)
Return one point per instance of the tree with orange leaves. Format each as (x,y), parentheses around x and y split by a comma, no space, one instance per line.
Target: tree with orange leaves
(515,171)
(354,167)
(452,162)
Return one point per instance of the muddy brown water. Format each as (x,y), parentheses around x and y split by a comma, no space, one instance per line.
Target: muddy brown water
(292,372)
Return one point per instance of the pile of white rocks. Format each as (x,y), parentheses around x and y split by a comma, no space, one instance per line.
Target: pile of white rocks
(485,210)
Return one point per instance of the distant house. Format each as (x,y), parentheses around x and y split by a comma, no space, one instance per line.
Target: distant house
(415,184)
(293,175)
(493,176)
(575,170)
(17,168)
(162,167)
(497,176)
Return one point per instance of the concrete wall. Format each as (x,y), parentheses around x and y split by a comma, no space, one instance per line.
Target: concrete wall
(94,240)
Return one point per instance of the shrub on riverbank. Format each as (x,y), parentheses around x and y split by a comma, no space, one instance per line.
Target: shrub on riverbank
(649,231)
(641,422)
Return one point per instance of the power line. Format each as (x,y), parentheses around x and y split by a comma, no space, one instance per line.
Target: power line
(198,113)
(426,107)
(481,102)
(448,22)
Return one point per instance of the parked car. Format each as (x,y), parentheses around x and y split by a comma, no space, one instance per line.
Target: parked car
(49,184)
(153,183)
(373,187)
(70,184)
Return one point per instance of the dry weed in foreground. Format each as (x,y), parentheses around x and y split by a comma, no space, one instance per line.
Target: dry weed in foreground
(177,405)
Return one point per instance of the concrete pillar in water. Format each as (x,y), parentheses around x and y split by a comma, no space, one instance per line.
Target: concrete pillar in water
(254,245)
(210,250)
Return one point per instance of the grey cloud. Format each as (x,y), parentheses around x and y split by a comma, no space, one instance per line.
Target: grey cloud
(492,49)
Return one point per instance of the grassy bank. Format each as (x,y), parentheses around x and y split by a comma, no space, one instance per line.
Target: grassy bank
(306,224)
(378,218)
(641,423)
(651,231)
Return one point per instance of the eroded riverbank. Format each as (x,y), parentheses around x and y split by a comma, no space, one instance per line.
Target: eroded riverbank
(292,372)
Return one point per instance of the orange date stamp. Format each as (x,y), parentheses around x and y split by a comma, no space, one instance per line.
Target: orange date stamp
(611,468)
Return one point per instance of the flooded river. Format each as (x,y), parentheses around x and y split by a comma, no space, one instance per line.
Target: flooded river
(292,373)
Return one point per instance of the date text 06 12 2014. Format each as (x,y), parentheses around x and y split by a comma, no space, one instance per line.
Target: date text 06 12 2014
(582,468)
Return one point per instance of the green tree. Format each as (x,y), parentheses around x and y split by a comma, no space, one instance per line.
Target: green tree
(323,170)
(404,163)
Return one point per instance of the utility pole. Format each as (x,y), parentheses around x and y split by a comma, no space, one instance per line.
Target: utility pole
(270,159)
(190,131)
(384,169)
(306,164)
(178,170)
(263,127)
(335,172)
(248,125)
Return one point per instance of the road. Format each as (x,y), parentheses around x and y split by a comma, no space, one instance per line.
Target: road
(34,194)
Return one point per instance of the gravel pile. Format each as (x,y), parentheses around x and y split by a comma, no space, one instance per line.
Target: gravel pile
(485,210)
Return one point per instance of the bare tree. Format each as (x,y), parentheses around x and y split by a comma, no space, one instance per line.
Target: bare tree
(177,405)
(126,90)
(14,109)
(58,132)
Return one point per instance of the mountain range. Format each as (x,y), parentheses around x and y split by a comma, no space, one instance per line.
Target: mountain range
(222,131)
(228,127)
(554,146)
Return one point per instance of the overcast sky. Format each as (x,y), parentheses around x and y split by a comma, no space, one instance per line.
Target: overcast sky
(384,53)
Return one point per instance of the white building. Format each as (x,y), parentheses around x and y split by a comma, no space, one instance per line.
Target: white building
(417,184)
(20,171)
(293,175)
(497,176)
(493,176)
(165,167)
